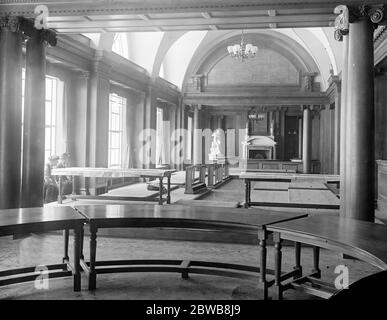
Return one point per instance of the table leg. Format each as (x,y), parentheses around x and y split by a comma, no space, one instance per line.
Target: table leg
(316,262)
(161,191)
(262,244)
(93,252)
(73,185)
(66,246)
(169,190)
(297,253)
(60,190)
(77,252)
(278,260)
(81,243)
(247,193)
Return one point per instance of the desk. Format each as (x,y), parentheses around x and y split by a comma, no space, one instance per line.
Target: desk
(295,181)
(29,220)
(363,240)
(181,217)
(116,173)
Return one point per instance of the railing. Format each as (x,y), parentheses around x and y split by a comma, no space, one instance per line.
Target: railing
(216,174)
(191,185)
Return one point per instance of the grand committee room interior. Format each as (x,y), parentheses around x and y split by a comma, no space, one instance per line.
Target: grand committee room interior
(208,149)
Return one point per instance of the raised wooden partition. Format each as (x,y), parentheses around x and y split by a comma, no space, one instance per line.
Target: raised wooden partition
(216,173)
(192,185)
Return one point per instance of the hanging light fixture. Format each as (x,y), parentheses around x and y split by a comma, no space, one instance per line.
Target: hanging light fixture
(242,51)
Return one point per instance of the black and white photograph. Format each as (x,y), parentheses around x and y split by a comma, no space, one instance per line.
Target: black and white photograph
(198,156)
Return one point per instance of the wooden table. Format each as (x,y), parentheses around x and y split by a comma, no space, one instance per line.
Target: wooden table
(295,180)
(30,220)
(181,217)
(108,173)
(363,240)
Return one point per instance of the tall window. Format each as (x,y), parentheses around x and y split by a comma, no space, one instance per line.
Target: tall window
(51,116)
(51,109)
(117,105)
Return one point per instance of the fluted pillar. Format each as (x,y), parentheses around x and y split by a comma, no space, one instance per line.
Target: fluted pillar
(10,112)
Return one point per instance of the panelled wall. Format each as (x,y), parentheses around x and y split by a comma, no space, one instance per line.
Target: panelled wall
(278,81)
(323,133)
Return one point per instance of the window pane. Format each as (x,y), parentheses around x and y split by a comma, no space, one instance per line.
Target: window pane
(48,113)
(48,139)
(48,88)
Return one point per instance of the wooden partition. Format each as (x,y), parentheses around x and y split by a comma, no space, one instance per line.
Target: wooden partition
(216,173)
(191,184)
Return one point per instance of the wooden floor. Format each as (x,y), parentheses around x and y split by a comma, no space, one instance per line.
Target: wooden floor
(278,193)
(47,248)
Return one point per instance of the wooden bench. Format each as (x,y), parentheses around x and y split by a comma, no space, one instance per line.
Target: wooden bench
(365,241)
(30,220)
(181,217)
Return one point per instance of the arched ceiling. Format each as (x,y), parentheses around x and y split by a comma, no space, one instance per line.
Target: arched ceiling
(180,54)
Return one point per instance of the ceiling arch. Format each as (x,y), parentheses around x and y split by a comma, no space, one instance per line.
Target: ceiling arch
(213,48)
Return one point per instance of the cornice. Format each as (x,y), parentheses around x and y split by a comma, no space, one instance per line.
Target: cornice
(82,7)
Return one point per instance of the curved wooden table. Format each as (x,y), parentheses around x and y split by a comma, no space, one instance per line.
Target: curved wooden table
(181,217)
(366,241)
(30,220)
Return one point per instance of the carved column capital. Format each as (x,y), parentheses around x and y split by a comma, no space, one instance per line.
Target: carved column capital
(350,14)
(10,23)
(84,75)
(373,12)
(27,26)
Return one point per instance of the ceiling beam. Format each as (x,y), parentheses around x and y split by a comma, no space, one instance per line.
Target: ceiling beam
(287,19)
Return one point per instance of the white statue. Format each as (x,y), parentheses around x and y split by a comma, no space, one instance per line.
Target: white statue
(215,145)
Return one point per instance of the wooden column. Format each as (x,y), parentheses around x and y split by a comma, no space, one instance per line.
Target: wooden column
(307,140)
(10,112)
(360,155)
(34,122)
(197,136)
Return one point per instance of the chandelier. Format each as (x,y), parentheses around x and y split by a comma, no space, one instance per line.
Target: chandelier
(242,51)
